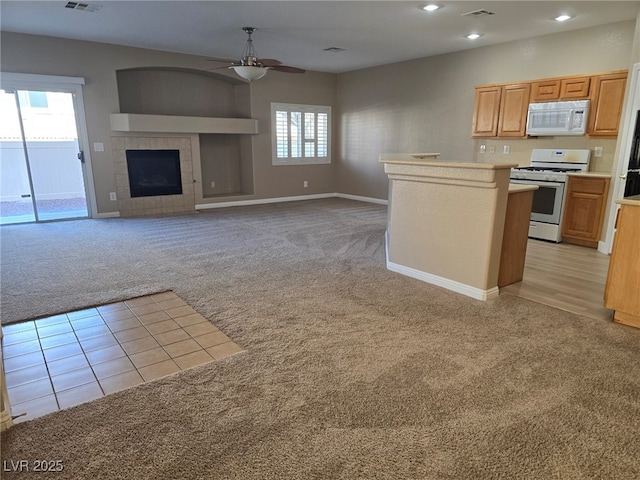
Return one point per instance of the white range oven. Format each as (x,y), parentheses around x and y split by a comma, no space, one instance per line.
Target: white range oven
(548,170)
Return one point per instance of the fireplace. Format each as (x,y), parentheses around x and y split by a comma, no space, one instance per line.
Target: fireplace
(166,204)
(154,172)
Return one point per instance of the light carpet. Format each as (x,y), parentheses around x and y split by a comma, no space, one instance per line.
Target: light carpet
(350,371)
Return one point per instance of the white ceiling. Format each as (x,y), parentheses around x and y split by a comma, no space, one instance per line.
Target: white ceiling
(296,32)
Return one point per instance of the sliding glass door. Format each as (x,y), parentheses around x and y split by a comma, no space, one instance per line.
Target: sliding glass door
(41,162)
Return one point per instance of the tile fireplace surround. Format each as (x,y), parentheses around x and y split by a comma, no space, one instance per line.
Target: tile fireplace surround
(161,204)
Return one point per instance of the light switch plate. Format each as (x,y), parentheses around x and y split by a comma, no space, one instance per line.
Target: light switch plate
(98,147)
(597,152)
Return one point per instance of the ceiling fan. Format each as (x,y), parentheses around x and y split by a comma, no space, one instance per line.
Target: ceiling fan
(250,67)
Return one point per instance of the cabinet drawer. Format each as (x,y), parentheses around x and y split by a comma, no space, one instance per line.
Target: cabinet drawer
(588,185)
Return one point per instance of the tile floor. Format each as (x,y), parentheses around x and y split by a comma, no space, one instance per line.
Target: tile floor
(56,362)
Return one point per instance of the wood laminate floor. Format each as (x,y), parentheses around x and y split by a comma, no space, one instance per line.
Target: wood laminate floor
(568,277)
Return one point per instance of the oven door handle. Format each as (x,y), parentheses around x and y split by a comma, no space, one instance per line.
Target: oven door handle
(540,183)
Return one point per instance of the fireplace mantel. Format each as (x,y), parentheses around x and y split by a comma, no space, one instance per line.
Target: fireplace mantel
(134,122)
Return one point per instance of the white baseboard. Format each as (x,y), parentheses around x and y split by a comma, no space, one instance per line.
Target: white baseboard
(297,198)
(107,215)
(262,201)
(458,287)
(603,247)
(379,201)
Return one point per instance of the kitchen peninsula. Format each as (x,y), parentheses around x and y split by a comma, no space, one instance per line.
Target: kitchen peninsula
(446,221)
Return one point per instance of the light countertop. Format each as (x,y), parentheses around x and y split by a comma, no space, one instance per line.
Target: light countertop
(590,174)
(634,201)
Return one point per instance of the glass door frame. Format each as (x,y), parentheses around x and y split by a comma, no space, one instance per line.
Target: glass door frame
(73,85)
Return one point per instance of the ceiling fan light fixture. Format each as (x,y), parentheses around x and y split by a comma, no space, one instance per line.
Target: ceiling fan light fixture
(250,67)
(249,72)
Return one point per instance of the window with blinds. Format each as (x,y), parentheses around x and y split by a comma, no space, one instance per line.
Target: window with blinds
(301,134)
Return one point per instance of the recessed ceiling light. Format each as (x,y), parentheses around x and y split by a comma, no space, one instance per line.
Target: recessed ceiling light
(432,7)
(473,36)
(563,18)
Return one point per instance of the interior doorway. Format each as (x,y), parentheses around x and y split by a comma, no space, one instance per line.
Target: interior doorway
(43,175)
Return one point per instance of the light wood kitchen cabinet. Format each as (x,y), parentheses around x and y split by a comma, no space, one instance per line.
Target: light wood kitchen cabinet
(584,209)
(501,111)
(486,110)
(514,103)
(622,291)
(514,237)
(545,90)
(558,89)
(607,97)
(574,88)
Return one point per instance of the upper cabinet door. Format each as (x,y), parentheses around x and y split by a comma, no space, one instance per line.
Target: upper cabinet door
(576,88)
(607,97)
(485,112)
(513,110)
(545,91)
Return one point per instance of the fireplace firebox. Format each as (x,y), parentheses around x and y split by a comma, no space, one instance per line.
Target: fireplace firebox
(154,172)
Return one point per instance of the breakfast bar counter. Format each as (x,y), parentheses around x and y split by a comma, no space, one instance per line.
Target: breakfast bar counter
(446,221)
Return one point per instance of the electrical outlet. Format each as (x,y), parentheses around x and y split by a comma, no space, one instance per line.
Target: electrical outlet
(112,196)
(305,184)
(506,149)
(597,152)
(492,149)
(483,149)
(213,184)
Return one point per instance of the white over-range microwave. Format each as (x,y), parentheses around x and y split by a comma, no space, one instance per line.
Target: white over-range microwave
(558,118)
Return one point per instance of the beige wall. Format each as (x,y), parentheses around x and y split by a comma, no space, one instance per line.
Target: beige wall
(426,105)
(421,105)
(98,64)
(311,88)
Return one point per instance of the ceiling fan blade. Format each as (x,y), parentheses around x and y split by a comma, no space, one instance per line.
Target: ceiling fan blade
(270,62)
(287,69)
(219,59)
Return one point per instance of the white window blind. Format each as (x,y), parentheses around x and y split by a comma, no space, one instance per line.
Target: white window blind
(301,134)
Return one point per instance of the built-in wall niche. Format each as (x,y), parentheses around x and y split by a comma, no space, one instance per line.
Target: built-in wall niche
(226,166)
(186,92)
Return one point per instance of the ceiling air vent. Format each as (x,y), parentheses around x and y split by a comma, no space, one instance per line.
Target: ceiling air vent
(477,13)
(334,49)
(85,7)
